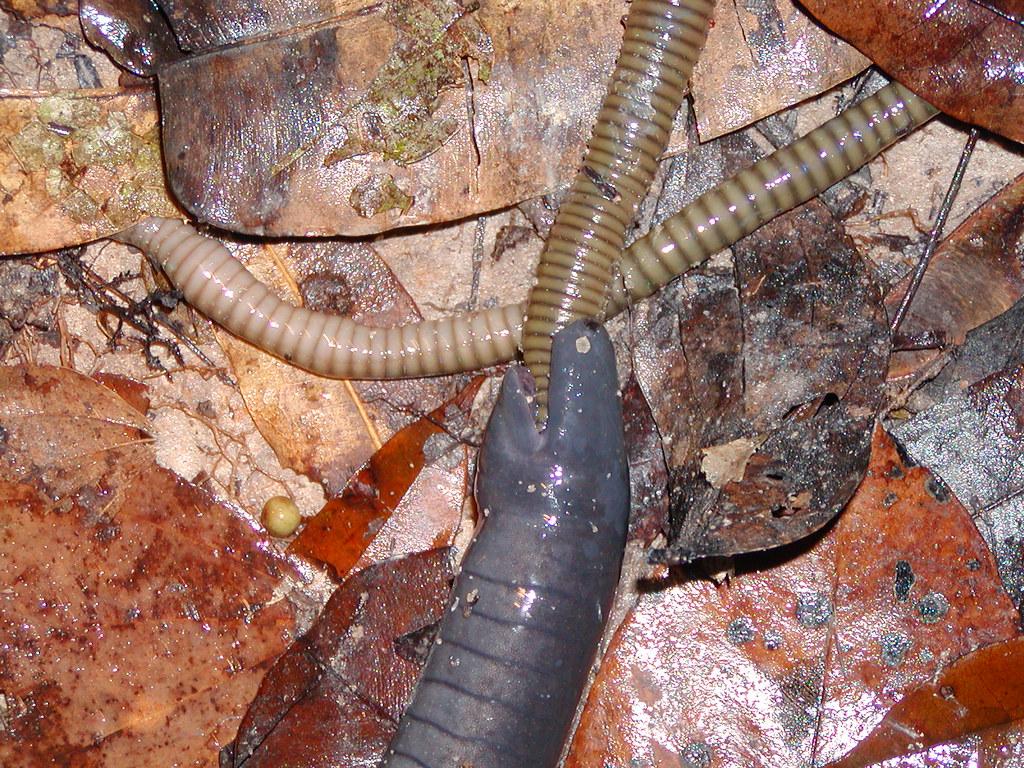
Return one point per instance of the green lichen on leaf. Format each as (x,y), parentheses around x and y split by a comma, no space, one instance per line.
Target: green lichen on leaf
(396,117)
(107,143)
(36,146)
(378,193)
(94,165)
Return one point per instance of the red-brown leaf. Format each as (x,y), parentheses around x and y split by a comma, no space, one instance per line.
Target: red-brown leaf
(341,532)
(800,655)
(973,277)
(961,55)
(136,612)
(335,697)
(980,691)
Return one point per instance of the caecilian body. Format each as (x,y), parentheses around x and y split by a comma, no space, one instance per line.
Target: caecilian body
(514,650)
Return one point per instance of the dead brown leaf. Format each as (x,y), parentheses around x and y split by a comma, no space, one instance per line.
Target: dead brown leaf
(136,612)
(322,74)
(973,277)
(799,656)
(334,698)
(785,351)
(974,442)
(76,166)
(962,56)
(762,57)
(978,692)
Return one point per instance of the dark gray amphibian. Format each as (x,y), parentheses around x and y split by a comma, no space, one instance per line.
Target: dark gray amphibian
(502,682)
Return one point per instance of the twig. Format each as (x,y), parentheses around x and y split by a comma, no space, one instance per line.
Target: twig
(936,232)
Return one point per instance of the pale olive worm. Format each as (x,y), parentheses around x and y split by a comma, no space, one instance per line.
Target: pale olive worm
(216,284)
(660,46)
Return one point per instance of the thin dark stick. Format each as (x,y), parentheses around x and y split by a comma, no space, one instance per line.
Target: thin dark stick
(936,233)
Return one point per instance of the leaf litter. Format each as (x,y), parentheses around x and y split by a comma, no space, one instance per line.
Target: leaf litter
(785,350)
(809,610)
(802,653)
(137,612)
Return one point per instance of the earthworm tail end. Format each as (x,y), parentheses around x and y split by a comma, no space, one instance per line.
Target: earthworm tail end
(773,185)
(218,285)
(660,45)
(513,654)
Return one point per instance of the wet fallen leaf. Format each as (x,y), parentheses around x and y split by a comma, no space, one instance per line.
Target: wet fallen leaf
(76,166)
(973,277)
(999,747)
(761,57)
(801,654)
(974,442)
(136,614)
(996,346)
(424,135)
(320,427)
(130,33)
(335,697)
(962,56)
(982,690)
(324,80)
(785,351)
(348,525)
(648,475)
(40,407)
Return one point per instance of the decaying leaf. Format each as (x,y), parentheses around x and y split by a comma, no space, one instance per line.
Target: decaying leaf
(343,530)
(761,57)
(130,33)
(76,166)
(785,351)
(312,78)
(136,614)
(334,698)
(974,442)
(379,194)
(320,427)
(41,408)
(395,118)
(999,747)
(962,56)
(997,346)
(975,275)
(980,691)
(800,655)
(648,475)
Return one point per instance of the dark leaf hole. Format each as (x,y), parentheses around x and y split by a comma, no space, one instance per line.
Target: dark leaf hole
(829,401)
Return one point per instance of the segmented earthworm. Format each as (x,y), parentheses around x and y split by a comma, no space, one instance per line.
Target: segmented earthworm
(501,684)
(217,285)
(773,185)
(661,43)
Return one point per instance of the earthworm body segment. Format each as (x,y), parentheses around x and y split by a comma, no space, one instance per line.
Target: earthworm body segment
(660,46)
(514,650)
(216,284)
